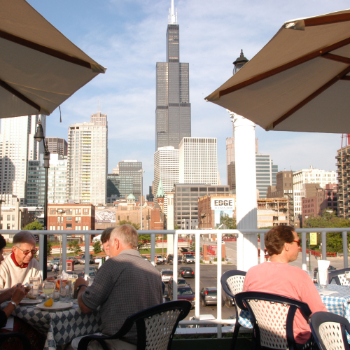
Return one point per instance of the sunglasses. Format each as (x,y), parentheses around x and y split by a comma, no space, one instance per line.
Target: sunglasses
(298,242)
(26,252)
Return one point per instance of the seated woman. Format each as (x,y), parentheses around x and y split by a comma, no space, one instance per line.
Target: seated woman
(15,295)
(278,277)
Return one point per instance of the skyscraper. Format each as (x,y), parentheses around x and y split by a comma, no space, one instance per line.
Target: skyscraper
(265,173)
(198,161)
(57,145)
(173,108)
(88,160)
(166,170)
(17,148)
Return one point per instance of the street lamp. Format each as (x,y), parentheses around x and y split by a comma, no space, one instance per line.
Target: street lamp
(39,136)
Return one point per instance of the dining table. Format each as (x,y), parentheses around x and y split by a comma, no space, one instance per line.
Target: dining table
(59,326)
(335,297)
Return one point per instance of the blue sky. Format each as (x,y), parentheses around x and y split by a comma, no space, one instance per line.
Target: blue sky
(129,37)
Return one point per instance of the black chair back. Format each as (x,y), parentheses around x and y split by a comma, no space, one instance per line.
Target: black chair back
(339,277)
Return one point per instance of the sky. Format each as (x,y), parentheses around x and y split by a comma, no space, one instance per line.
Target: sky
(129,37)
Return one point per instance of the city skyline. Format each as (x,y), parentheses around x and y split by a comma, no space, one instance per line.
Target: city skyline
(128,38)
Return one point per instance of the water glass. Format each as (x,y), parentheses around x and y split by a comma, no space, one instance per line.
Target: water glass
(72,278)
(322,279)
(35,283)
(65,289)
(48,288)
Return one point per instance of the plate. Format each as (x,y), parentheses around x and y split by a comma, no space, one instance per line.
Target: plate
(56,306)
(30,301)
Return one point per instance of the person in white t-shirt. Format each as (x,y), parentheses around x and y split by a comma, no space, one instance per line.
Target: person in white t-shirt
(20,265)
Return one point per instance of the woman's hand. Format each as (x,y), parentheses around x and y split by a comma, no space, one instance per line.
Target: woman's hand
(18,294)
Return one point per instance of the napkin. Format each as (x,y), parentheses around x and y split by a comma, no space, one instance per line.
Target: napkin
(9,323)
(323,271)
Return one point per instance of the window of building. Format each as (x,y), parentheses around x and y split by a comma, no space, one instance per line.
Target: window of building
(78,211)
(68,225)
(52,211)
(69,211)
(69,218)
(77,228)
(77,219)
(8,217)
(86,211)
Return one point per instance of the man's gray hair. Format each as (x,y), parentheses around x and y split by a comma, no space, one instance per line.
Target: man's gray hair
(23,237)
(127,234)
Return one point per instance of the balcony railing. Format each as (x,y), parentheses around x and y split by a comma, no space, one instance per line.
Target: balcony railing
(197,234)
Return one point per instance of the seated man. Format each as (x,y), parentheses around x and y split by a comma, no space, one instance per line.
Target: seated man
(19,266)
(277,277)
(124,284)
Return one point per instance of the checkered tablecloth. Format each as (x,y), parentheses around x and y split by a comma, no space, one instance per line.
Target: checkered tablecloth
(338,303)
(59,327)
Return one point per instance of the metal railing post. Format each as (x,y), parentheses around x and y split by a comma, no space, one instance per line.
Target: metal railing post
(64,251)
(175,257)
(153,247)
(87,256)
(324,245)
(303,251)
(345,249)
(262,247)
(197,273)
(219,274)
(41,251)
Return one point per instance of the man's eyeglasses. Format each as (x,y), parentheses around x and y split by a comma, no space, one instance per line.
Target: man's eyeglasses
(26,252)
(298,242)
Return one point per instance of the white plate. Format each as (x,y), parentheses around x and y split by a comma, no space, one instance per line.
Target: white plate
(57,305)
(30,301)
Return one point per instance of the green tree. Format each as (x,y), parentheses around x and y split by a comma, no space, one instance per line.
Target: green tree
(35,225)
(97,247)
(228,223)
(74,247)
(143,239)
(49,248)
(328,219)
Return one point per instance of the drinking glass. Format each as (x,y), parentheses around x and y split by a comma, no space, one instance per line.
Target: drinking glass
(48,288)
(35,283)
(64,288)
(322,279)
(72,278)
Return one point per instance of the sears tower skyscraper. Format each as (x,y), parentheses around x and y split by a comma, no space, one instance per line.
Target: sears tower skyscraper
(173,109)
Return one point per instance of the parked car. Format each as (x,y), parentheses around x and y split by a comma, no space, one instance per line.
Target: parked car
(92,272)
(82,259)
(209,296)
(185,293)
(166,275)
(57,261)
(186,272)
(180,283)
(160,259)
(75,260)
(171,258)
(188,259)
(228,300)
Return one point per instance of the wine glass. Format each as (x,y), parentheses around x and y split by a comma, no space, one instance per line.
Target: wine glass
(48,288)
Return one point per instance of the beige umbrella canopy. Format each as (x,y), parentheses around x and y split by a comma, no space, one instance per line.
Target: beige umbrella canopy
(39,67)
(299,81)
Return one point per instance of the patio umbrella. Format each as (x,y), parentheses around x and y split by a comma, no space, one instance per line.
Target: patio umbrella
(39,67)
(299,81)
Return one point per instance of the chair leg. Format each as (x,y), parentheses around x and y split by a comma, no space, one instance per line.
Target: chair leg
(235,335)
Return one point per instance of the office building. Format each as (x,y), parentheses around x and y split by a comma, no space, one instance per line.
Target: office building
(198,161)
(265,173)
(318,199)
(57,145)
(113,184)
(308,176)
(284,188)
(343,166)
(186,202)
(130,178)
(272,212)
(173,108)
(17,148)
(166,170)
(88,161)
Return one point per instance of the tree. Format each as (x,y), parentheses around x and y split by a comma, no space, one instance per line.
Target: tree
(228,222)
(75,247)
(328,219)
(49,248)
(97,247)
(143,239)
(35,225)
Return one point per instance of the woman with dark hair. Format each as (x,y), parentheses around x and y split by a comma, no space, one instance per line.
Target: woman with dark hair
(15,295)
(278,277)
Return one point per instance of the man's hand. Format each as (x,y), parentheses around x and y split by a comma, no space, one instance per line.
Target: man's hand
(19,294)
(79,282)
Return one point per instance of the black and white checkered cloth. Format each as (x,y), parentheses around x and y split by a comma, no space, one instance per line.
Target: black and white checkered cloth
(59,327)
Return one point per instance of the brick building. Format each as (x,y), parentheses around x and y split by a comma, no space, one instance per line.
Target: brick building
(318,199)
(273,212)
(71,217)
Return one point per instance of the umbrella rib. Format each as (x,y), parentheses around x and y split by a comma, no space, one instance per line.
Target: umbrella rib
(19,95)
(44,49)
(329,19)
(320,52)
(311,97)
(337,58)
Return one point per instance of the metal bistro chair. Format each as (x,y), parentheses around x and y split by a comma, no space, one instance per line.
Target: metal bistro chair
(273,317)
(24,340)
(339,277)
(328,330)
(232,284)
(155,326)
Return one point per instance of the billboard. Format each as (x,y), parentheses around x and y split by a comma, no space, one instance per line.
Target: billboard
(105,215)
(222,203)
(220,215)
